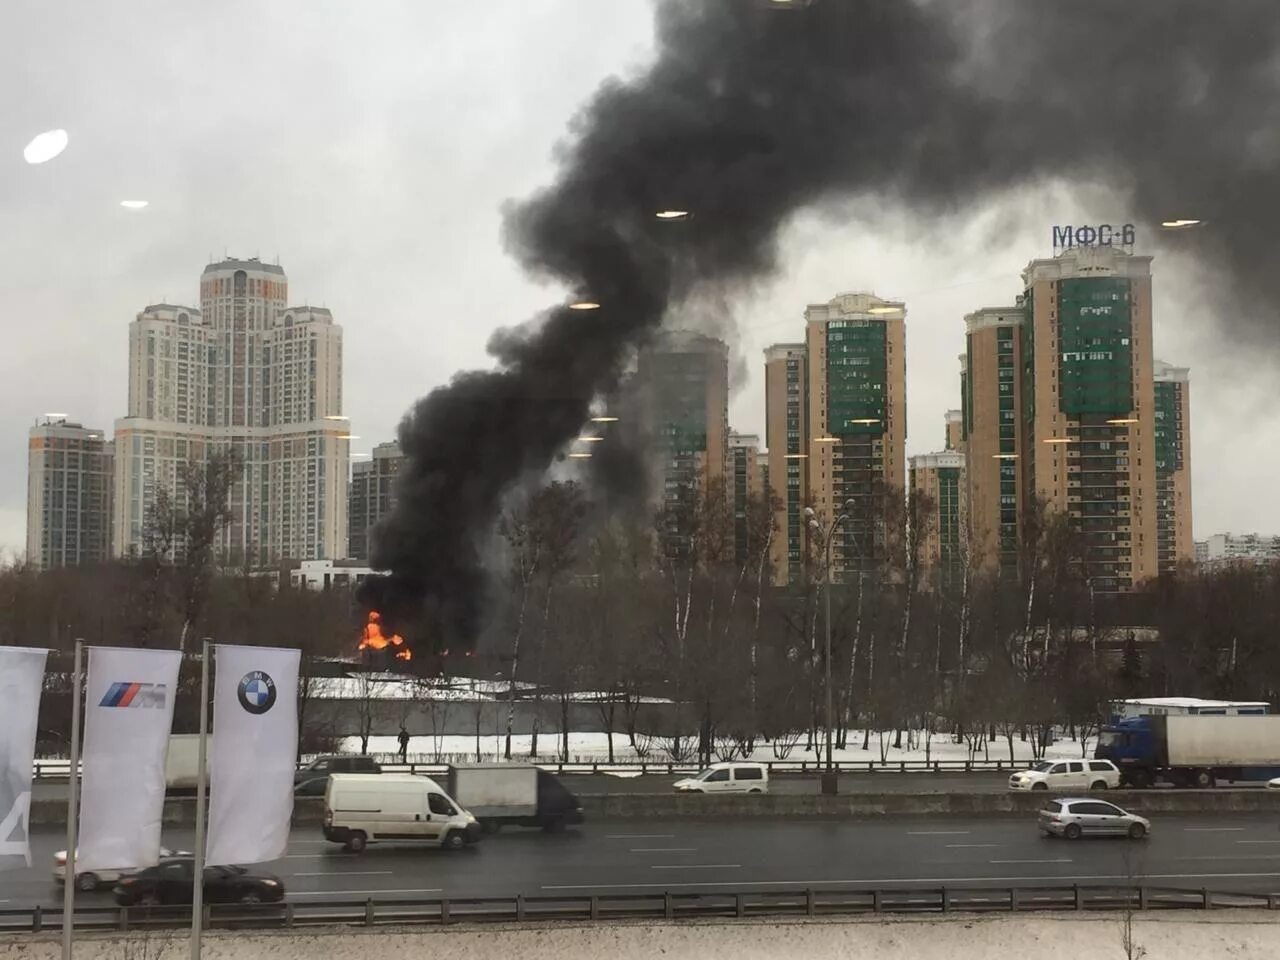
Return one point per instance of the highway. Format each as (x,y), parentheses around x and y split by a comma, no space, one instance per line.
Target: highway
(595,784)
(1228,854)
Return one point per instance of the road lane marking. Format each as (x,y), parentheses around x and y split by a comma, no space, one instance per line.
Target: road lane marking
(963,846)
(888,880)
(696,866)
(1060,860)
(1233,856)
(346,873)
(938,833)
(640,836)
(1215,829)
(319,856)
(360,893)
(1258,841)
(663,849)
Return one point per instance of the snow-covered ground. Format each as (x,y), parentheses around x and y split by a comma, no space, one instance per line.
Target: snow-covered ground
(1244,935)
(588,747)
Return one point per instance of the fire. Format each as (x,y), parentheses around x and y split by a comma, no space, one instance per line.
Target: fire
(372,638)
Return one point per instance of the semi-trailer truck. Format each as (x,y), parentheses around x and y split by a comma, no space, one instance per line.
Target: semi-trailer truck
(509,794)
(1192,750)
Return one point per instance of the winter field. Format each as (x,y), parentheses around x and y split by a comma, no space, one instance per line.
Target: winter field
(594,747)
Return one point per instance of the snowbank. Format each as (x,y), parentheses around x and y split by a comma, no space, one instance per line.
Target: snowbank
(1242,936)
(588,747)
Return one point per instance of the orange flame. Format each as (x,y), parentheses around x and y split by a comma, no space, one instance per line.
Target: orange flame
(372,638)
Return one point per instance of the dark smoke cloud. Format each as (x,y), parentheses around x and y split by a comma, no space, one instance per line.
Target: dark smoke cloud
(749,114)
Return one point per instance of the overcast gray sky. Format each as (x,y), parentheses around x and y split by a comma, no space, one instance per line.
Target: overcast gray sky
(370,146)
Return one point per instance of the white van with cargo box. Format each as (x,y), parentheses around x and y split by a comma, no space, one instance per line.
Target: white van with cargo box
(364,808)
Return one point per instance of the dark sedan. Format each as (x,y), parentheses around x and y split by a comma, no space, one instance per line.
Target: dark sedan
(311,780)
(171,883)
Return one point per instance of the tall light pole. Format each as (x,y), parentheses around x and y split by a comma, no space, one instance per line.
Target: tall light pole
(829,779)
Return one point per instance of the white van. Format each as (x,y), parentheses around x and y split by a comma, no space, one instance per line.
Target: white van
(364,808)
(727,778)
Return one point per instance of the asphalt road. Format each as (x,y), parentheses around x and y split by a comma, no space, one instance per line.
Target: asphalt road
(1227,854)
(589,784)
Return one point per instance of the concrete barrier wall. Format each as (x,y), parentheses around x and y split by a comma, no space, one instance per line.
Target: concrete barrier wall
(678,806)
(692,806)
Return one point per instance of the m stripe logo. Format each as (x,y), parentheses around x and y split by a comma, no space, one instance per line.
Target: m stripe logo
(134,694)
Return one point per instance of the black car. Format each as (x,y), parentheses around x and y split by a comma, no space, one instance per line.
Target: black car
(171,883)
(310,780)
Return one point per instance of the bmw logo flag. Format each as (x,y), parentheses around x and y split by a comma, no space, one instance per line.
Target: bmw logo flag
(254,751)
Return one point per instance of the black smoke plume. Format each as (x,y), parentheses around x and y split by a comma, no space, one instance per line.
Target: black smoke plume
(754,110)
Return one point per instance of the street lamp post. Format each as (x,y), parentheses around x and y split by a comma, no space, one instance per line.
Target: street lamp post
(829,779)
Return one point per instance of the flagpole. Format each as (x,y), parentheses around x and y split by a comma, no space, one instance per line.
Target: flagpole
(197,890)
(73,797)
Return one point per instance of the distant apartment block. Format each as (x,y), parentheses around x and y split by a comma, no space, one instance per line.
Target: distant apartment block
(1228,549)
(69,476)
(372,495)
(937,481)
(1174,542)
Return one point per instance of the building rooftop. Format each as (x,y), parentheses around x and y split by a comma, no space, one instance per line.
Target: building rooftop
(253,263)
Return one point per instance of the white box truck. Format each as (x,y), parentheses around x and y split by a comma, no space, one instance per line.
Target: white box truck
(1192,750)
(364,808)
(513,794)
(182,761)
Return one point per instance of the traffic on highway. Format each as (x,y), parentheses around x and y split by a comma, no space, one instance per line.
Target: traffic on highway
(1236,853)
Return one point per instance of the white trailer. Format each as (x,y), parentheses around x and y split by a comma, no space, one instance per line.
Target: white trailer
(182,761)
(501,794)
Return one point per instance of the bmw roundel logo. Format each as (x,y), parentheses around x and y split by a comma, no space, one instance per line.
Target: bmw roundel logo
(257,692)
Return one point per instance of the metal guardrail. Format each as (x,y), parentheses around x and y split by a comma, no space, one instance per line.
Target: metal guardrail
(58,769)
(647,906)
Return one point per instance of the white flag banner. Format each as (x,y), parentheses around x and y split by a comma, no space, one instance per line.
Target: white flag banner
(21,679)
(128,713)
(255,753)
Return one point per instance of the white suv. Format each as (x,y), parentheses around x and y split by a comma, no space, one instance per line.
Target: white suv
(1067,775)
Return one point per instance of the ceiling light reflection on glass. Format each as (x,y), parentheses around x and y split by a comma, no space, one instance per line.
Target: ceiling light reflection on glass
(604,419)
(584,305)
(672,215)
(134,204)
(45,146)
(579,456)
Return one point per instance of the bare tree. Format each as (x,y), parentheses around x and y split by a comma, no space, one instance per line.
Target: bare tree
(541,531)
(183,525)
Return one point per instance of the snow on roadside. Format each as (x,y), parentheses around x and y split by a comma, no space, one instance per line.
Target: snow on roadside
(1243,935)
(589,747)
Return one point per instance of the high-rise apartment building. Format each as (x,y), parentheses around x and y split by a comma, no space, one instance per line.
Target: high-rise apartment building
(372,495)
(857,369)
(786,387)
(937,480)
(747,493)
(1174,543)
(1059,413)
(675,405)
(69,475)
(248,374)
(990,394)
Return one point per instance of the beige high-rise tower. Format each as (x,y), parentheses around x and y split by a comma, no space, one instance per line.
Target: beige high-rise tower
(249,374)
(786,395)
(1059,409)
(938,481)
(857,367)
(991,380)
